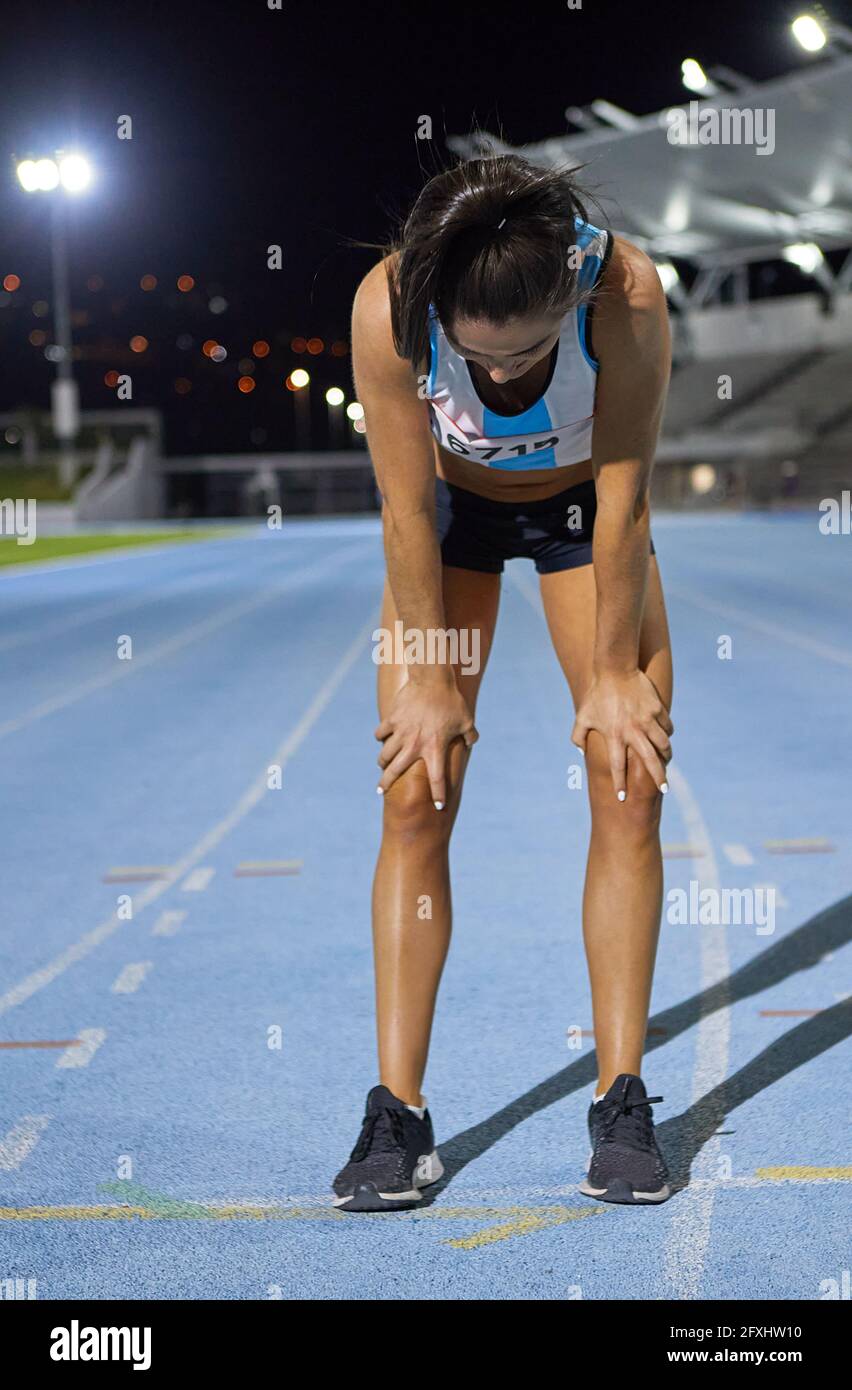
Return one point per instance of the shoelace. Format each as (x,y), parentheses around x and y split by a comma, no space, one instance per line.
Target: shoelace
(633,1120)
(381,1132)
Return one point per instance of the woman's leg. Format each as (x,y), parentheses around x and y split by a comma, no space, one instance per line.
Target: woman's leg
(411,890)
(624,876)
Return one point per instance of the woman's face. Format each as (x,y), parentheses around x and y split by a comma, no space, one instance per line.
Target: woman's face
(509,350)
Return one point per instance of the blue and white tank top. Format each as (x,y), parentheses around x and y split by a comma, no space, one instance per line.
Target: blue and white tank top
(553,432)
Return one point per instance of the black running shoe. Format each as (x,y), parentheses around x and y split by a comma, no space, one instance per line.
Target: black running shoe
(394,1158)
(625,1163)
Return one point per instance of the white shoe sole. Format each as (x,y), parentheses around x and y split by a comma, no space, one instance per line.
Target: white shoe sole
(428,1169)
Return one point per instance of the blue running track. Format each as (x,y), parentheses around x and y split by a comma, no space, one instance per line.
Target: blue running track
(186,1039)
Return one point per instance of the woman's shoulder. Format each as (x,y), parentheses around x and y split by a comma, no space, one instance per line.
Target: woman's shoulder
(631,276)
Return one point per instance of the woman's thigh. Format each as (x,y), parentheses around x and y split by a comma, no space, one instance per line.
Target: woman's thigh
(471,601)
(570,605)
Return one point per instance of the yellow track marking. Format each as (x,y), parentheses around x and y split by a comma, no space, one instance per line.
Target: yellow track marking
(805,1174)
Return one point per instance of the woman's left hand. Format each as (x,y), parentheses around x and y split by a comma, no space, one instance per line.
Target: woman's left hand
(625,709)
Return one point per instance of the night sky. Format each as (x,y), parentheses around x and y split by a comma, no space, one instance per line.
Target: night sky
(254,126)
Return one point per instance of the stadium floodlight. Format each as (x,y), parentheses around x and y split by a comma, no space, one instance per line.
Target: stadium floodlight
(805,254)
(809,33)
(695,79)
(38,175)
(668,275)
(75,173)
(334,395)
(300,378)
(72,172)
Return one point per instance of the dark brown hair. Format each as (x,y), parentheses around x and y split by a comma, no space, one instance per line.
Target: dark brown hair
(488,239)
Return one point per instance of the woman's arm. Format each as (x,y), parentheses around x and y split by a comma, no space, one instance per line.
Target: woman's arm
(429,711)
(632,342)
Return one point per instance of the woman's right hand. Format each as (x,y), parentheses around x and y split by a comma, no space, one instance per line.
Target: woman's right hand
(424,719)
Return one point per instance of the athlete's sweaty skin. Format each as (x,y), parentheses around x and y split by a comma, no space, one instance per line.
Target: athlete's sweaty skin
(608,625)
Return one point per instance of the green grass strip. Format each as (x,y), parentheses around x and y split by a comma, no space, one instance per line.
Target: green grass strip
(58,547)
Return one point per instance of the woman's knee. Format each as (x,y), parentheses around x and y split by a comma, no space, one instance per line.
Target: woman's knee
(638,816)
(409,808)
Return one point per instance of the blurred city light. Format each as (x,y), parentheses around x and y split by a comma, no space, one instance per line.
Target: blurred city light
(185,283)
(355,410)
(246,384)
(260,348)
(334,395)
(299,378)
(702,477)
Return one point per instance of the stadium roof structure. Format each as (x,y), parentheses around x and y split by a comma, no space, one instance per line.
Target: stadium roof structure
(709,198)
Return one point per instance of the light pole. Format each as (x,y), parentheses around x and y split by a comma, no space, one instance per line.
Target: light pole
(63,173)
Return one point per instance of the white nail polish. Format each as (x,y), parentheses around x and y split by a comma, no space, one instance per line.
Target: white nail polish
(622,796)
(664,786)
(439,805)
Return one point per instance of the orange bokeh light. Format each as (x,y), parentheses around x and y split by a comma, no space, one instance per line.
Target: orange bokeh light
(340,348)
(148,282)
(183,386)
(208,347)
(185,283)
(246,384)
(138,343)
(11,282)
(38,337)
(111,379)
(315,345)
(260,348)
(299,345)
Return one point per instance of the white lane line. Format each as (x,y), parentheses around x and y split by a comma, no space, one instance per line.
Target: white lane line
(178,643)
(689,1230)
(82,1053)
(197,881)
(783,634)
(253,794)
(21,1140)
(168,922)
(131,977)
(110,608)
(738,854)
